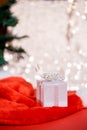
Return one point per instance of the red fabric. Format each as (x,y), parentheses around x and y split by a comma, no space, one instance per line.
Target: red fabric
(76,121)
(18,104)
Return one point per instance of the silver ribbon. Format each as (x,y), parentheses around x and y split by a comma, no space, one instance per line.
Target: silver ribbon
(51,76)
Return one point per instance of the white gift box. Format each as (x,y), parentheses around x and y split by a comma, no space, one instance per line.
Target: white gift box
(52,93)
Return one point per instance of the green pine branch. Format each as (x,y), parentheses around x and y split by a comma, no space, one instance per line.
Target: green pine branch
(7,19)
(12,21)
(7,5)
(2,60)
(15,49)
(6,38)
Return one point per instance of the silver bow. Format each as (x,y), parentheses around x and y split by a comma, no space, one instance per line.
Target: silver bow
(51,76)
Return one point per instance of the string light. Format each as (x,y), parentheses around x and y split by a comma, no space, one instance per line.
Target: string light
(70,11)
(85,9)
(75,69)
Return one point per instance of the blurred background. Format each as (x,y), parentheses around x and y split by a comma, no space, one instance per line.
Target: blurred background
(55,40)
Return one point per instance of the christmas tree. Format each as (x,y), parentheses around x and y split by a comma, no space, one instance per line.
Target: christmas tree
(7,19)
